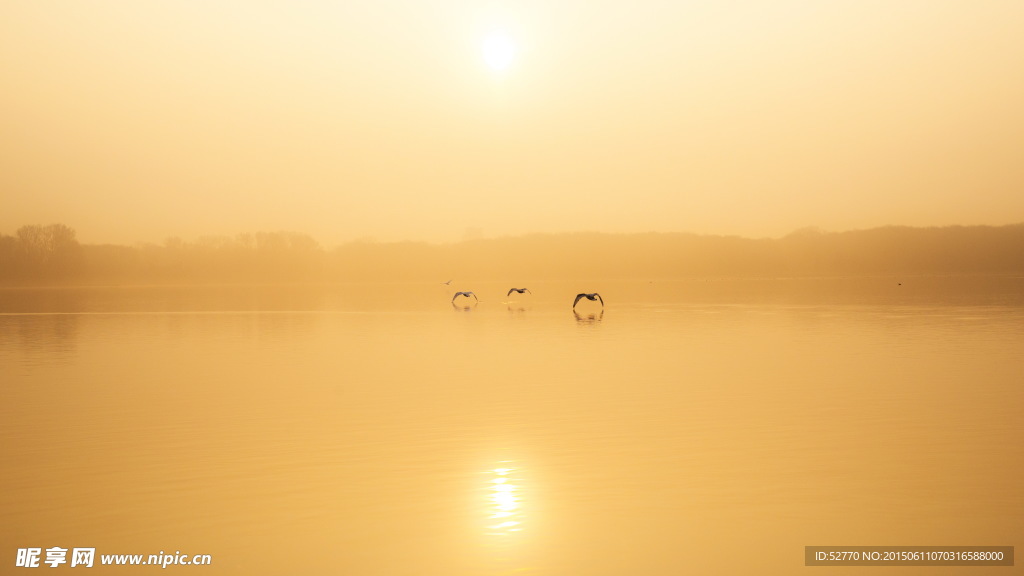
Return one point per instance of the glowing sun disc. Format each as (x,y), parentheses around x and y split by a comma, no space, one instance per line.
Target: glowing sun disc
(498,51)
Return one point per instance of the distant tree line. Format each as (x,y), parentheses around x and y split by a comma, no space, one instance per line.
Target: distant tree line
(52,255)
(46,253)
(893,250)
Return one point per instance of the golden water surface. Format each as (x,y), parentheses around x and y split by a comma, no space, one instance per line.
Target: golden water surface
(704,427)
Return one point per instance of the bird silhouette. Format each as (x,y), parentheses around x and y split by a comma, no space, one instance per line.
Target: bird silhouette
(466,294)
(447,283)
(518,290)
(593,296)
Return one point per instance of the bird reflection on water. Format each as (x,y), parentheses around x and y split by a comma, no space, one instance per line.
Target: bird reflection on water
(591,318)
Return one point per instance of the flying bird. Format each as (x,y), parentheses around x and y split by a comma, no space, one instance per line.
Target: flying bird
(518,290)
(466,294)
(593,296)
(446,283)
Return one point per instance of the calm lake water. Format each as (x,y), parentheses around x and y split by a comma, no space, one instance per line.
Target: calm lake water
(704,427)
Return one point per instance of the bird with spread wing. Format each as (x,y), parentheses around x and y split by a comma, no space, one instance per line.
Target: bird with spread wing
(466,294)
(592,296)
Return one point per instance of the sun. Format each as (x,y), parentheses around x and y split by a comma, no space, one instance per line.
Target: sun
(498,50)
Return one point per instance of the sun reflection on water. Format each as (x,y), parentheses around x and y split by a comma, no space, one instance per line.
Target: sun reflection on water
(505,501)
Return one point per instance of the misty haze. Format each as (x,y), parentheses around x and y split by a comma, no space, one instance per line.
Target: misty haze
(511,288)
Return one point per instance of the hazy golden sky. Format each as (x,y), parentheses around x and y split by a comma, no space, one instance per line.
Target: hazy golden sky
(140,120)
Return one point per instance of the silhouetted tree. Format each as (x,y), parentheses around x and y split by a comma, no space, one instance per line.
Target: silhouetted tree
(37,252)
